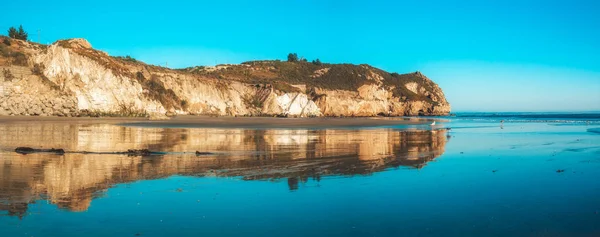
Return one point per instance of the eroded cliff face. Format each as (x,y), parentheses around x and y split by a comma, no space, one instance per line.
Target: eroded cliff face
(69,78)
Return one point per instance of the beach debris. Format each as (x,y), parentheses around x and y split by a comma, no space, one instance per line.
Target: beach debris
(140,152)
(560,171)
(29,150)
(129,152)
(60,151)
(203,153)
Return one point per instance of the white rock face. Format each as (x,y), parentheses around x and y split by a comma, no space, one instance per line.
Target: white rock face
(412,86)
(95,86)
(297,104)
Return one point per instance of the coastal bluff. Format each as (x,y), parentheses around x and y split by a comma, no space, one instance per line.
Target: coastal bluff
(70,78)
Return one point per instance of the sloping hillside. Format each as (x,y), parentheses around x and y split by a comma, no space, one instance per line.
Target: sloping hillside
(70,78)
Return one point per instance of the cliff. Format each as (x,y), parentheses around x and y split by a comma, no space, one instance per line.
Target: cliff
(70,78)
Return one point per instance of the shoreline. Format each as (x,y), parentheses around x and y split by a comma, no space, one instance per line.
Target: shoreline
(231,122)
(110,120)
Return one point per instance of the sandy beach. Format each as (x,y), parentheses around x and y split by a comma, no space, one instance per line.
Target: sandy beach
(230,122)
(270,122)
(54,119)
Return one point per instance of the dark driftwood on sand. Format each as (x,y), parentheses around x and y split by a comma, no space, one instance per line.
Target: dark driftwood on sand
(130,152)
(29,150)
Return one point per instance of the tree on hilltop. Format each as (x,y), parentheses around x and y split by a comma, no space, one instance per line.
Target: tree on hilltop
(292,57)
(17,34)
(12,32)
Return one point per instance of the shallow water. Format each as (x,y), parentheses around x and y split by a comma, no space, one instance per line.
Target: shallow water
(477,179)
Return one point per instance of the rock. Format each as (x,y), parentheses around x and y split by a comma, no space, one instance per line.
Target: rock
(170,113)
(77,43)
(141,152)
(17,110)
(24,150)
(29,150)
(296,104)
(35,111)
(198,153)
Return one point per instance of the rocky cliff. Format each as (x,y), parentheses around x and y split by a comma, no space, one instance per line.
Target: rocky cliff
(70,78)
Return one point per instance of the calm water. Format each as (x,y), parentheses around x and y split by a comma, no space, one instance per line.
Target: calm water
(530,177)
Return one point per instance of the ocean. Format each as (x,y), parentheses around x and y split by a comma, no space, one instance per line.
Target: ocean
(470,174)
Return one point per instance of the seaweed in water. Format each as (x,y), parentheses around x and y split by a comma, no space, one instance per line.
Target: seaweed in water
(29,150)
(141,152)
(130,152)
(198,153)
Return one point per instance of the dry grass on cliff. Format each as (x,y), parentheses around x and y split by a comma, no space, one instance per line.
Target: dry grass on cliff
(156,91)
(396,83)
(11,52)
(115,65)
(282,75)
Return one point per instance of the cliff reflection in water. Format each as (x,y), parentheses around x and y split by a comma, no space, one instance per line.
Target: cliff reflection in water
(71,181)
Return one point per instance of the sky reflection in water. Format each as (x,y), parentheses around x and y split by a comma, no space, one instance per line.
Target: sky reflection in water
(474,180)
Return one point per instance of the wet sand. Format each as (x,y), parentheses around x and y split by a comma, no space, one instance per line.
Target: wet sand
(53,119)
(271,122)
(231,122)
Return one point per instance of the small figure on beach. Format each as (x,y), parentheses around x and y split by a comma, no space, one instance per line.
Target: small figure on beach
(432,124)
(502,124)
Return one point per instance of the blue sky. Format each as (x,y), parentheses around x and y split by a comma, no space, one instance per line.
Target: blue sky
(486,55)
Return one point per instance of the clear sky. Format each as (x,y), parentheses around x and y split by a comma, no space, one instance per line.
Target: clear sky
(486,55)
